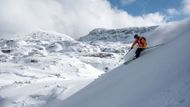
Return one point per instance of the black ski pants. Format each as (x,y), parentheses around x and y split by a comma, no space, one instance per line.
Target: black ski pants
(138,52)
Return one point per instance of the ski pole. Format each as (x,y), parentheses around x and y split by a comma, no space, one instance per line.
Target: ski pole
(125,55)
(128,52)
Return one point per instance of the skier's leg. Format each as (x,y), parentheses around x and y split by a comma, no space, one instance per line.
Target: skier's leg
(138,52)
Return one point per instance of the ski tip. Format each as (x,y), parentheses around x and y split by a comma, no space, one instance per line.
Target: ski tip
(127,62)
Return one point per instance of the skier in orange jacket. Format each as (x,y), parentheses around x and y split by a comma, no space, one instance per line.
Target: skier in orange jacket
(142,44)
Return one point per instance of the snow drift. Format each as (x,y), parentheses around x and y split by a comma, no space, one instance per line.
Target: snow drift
(160,78)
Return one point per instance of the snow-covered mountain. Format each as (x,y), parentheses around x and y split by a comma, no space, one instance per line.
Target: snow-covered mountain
(115,35)
(159,78)
(41,66)
(34,65)
(45,68)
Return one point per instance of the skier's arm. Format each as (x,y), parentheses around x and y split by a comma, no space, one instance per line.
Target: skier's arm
(134,43)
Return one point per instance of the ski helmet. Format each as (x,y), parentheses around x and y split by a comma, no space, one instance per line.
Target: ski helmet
(136,35)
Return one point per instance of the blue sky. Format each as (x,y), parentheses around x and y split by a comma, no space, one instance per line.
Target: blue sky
(140,7)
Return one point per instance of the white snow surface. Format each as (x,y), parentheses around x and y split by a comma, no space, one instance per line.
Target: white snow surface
(159,78)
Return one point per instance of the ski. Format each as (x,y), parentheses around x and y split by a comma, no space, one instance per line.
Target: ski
(127,62)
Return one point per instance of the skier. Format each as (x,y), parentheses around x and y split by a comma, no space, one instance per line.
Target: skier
(142,44)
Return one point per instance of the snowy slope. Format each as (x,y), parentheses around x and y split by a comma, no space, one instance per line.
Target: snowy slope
(160,78)
(40,66)
(37,68)
(32,60)
(43,67)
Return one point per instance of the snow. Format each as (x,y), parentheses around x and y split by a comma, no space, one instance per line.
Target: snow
(36,67)
(115,35)
(160,78)
(40,67)
(48,69)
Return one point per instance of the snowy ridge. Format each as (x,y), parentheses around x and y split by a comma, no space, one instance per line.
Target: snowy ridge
(161,79)
(47,36)
(115,35)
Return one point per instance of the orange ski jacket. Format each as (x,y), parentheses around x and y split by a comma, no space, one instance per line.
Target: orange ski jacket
(141,41)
